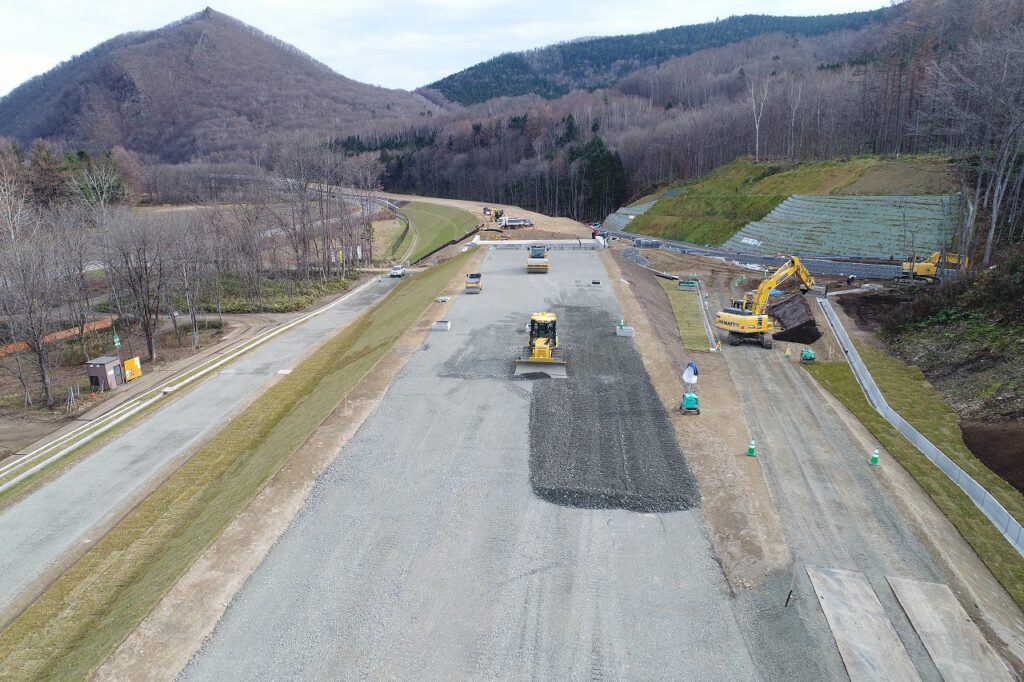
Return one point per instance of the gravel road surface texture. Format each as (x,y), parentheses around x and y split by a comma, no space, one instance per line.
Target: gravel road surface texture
(834,511)
(77,507)
(601,438)
(424,553)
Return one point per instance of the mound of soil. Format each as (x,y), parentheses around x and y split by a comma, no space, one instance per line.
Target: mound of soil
(796,319)
(871,311)
(1000,446)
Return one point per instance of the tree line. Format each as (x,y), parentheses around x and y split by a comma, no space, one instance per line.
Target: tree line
(73,247)
(945,78)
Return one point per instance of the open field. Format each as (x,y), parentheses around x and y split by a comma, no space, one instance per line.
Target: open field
(131,567)
(435,224)
(712,209)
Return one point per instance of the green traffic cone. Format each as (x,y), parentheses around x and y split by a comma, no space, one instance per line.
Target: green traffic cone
(874,458)
(751,449)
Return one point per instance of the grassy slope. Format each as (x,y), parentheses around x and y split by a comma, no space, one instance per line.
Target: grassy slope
(436,225)
(686,307)
(715,207)
(69,630)
(1001,558)
(908,392)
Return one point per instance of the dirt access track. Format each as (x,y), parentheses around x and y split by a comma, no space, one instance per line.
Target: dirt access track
(552,227)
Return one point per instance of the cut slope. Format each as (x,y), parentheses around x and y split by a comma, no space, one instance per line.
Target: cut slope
(207,84)
(712,209)
(435,225)
(868,227)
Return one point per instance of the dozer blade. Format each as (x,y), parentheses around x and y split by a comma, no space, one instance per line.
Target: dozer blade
(554,370)
(555,367)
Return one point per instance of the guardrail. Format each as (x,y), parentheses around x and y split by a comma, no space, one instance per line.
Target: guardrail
(996,513)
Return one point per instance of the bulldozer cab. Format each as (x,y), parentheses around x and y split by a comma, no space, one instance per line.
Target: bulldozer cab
(542,328)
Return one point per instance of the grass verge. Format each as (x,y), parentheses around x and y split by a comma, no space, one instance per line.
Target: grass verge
(908,391)
(686,308)
(71,629)
(436,225)
(1000,557)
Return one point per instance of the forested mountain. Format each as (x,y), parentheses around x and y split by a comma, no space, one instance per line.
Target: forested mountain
(945,76)
(555,70)
(207,86)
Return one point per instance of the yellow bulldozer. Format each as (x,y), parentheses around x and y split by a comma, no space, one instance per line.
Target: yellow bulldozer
(926,270)
(747,319)
(542,354)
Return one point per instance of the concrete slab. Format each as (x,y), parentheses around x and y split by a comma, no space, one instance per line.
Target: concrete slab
(867,641)
(951,637)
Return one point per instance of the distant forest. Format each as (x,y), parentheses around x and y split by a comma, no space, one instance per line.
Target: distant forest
(944,77)
(599,62)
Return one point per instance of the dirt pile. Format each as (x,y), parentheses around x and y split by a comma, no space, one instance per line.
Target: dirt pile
(601,438)
(796,319)
(1000,446)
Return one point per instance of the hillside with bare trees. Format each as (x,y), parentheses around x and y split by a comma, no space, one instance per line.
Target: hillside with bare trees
(207,87)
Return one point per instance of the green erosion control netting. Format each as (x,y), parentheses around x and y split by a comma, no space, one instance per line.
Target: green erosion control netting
(863,226)
(621,218)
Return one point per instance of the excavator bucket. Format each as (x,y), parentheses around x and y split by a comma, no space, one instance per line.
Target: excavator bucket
(536,364)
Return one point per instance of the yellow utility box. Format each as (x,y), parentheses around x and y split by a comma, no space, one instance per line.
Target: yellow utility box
(132,369)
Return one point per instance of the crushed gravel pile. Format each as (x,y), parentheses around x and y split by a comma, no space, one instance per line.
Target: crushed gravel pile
(601,438)
(637,257)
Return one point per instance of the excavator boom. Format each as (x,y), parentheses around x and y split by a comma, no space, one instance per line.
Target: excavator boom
(748,319)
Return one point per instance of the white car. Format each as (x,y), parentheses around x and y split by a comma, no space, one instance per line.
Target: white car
(397,271)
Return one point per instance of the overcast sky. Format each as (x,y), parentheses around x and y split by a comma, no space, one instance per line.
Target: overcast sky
(400,44)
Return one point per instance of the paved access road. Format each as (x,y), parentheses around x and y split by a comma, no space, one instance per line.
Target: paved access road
(424,553)
(80,504)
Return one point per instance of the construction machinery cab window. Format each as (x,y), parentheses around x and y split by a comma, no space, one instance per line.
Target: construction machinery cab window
(543,328)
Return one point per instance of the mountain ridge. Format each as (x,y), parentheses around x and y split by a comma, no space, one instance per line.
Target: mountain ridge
(556,69)
(199,86)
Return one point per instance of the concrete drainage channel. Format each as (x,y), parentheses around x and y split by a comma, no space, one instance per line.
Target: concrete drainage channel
(996,513)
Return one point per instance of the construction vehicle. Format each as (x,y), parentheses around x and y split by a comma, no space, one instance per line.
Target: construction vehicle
(542,354)
(497,214)
(926,270)
(537,258)
(474,283)
(690,404)
(747,319)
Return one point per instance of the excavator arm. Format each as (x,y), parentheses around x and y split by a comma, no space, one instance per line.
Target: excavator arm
(759,304)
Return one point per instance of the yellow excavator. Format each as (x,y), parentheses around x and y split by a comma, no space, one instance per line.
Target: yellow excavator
(748,319)
(542,355)
(926,270)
